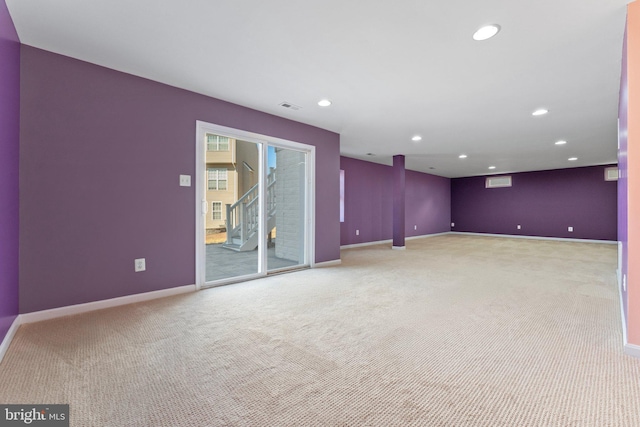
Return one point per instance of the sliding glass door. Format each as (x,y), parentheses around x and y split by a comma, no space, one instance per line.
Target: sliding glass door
(286,208)
(232,223)
(256,195)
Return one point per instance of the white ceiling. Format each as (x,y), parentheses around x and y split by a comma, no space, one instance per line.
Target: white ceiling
(391,69)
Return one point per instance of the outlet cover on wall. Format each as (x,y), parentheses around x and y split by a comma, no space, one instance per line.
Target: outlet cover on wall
(519,226)
(570,229)
(415,227)
(140,264)
(185,180)
(453,224)
(357,232)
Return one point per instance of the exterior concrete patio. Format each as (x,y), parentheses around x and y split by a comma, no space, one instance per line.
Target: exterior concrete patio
(222,263)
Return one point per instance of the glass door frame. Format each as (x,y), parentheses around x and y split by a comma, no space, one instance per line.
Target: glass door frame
(201,206)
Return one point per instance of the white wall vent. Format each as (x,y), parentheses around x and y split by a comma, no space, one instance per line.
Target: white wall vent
(611,174)
(498,181)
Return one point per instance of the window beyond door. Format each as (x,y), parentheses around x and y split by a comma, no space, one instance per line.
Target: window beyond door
(217,143)
(216,211)
(217,179)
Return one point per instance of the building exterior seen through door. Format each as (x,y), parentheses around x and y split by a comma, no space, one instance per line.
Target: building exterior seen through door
(287,235)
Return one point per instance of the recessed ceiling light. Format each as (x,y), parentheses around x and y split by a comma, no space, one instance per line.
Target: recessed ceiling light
(573,159)
(462,156)
(486,32)
(417,138)
(492,167)
(561,142)
(540,112)
(324,103)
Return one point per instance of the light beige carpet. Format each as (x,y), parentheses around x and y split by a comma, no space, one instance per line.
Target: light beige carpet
(454,331)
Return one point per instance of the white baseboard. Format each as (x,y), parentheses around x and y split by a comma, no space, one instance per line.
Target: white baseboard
(628,349)
(619,269)
(518,236)
(331,263)
(622,318)
(632,350)
(382,242)
(424,236)
(6,342)
(360,245)
(38,316)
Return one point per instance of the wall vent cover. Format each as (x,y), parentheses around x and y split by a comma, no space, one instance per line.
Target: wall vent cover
(611,174)
(498,181)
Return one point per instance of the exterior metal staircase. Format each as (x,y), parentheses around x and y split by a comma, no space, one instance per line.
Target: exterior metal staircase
(243,219)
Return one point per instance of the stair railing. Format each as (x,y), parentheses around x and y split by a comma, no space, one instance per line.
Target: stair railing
(271,194)
(243,215)
(237,215)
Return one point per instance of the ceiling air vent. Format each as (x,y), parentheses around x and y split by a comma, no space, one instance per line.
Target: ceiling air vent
(290,106)
(498,181)
(611,174)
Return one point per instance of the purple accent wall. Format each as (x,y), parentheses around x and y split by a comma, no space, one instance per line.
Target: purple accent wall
(9,151)
(623,165)
(544,203)
(427,204)
(100,156)
(369,202)
(398,201)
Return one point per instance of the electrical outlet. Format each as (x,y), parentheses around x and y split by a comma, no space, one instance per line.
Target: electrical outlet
(415,227)
(519,227)
(139,264)
(453,224)
(185,180)
(357,232)
(570,229)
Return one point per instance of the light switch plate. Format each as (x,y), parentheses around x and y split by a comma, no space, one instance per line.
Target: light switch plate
(185,180)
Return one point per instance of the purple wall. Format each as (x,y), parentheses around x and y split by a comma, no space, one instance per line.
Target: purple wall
(427,204)
(545,203)
(369,207)
(9,149)
(100,156)
(623,165)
